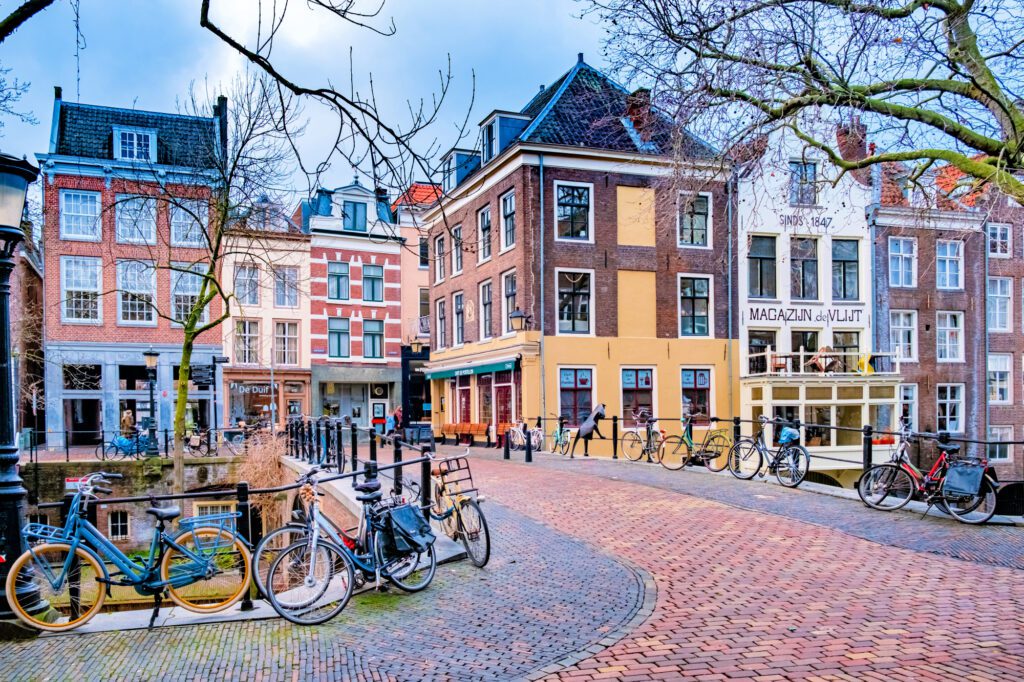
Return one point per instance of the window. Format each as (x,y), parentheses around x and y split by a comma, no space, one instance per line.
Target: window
(802,175)
(806,340)
(439,259)
(757,348)
(207,508)
(79,215)
(693,220)
(573,302)
(373,339)
(354,216)
(575,395)
(1000,244)
(188,223)
(424,252)
(247,285)
(845,270)
(442,328)
(459,330)
(508,221)
(483,221)
(908,404)
(804,257)
(457,250)
(338,281)
(486,310)
(135,220)
(572,212)
(637,392)
(696,394)
(903,333)
(1000,451)
(424,326)
(338,339)
(490,141)
(950,404)
(950,339)
(286,343)
(286,287)
(247,342)
(508,287)
(999,378)
(846,342)
(949,264)
(761,262)
(80,281)
(185,290)
(902,262)
(136,287)
(999,304)
(373,283)
(694,306)
(134,145)
(39,518)
(117,525)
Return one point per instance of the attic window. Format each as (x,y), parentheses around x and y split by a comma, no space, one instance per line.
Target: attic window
(490,141)
(134,145)
(355,216)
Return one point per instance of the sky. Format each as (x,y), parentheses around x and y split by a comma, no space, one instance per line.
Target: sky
(145,54)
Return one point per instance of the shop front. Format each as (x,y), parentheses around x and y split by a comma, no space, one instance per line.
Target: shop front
(253,399)
(367,395)
(487,392)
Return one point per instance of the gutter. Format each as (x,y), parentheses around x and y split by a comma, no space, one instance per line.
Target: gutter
(730,217)
(543,383)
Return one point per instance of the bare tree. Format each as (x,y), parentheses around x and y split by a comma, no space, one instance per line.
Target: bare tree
(938,81)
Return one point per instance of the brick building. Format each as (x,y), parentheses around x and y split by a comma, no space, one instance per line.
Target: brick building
(575,212)
(120,189)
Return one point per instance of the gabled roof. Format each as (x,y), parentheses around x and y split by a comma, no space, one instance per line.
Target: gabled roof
(419,194)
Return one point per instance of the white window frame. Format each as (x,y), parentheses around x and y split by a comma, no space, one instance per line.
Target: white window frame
(212,507)
(456,341)
(98,264)
(958,259)
(913,262)
(1009,239)
(1008,358)
(913,334)
(479,235)
(711,217)
(939,329)
(281,351)
(182,211)
(592,331)
(257,347)
(501,210)
(590,212)
(457,247)
(961,389)
(110,525)
(130,233)
(284,269)
(441,323)
(122,289)
(97,232)
(149,132)
(439,273)
(253,267)
(990,298)
(505,329)
(485,332)
(1006,436)
(176,276)
(711,305)
(914,409)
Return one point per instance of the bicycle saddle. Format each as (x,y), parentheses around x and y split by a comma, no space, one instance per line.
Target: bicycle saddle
(373,485)
(164,513)
(949,448)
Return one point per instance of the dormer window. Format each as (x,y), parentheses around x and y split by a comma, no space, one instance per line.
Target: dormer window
(134,145)
(355,216)
(448,174)
(490,141)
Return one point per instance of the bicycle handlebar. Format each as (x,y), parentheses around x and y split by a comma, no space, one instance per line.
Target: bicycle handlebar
(100,489)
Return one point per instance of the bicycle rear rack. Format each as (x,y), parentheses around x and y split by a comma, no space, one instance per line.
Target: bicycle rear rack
(456,478)
(44,533)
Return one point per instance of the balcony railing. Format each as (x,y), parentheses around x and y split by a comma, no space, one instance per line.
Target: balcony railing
(822,362)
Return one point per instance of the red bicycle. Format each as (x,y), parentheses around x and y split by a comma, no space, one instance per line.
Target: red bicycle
(893,484)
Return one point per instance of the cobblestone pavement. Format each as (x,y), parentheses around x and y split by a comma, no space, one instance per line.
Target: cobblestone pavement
(745,594)
(542,597)
(989,544)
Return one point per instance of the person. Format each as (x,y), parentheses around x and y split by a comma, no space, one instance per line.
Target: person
(389,424)
(127,424)
(398,417)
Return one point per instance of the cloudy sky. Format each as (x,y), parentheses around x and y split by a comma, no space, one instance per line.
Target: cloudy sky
(147,58)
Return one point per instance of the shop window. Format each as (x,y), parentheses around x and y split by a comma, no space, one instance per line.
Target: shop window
(463,397)
(576,395)
(820,435)
(696,394)
(485,397)
(637,393)
(503,405)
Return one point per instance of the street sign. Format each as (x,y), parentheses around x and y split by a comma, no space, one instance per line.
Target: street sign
(71,483)
(202,376)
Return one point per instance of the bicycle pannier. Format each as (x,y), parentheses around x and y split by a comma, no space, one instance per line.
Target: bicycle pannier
(788,435)
(409,531)
(963,478)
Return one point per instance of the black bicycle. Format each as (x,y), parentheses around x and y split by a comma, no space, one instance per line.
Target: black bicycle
(790,462)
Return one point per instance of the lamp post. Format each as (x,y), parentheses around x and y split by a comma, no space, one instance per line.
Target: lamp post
(15,176)
(151,358)
(518,320)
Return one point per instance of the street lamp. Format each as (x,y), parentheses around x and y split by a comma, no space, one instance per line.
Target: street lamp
(15,177)
(416,346)
(151,358)
(518,320)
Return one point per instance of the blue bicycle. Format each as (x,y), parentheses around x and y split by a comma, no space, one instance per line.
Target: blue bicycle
(62,580)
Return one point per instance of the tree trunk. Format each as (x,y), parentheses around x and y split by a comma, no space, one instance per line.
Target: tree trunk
(181,404)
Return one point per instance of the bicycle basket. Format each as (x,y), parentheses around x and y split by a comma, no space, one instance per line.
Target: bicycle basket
(963,478)
(788,435)
(224,521)
(406,531)
(455,476)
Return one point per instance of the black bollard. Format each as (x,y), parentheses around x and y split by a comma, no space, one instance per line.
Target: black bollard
(529,444)
(615,436)
(867,453)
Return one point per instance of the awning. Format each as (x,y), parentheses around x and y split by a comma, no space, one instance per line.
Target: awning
(465,369)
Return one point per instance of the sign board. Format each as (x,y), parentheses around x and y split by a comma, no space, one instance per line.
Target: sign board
(71,483)
(804,314)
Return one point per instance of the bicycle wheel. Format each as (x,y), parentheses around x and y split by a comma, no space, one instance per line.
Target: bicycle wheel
(272,544)
(792,466)
(745,460)
(307,587)
(673,453)
(473,532)
(885,487)
(411,572)
(632,446)
(973,509)
(538,440)
(715,453)
(563,443)
(440,507)
(111,452)
(37,579)
(515,439)
(188,585)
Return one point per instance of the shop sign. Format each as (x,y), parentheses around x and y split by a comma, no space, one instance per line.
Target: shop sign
(249,389)
(804,314)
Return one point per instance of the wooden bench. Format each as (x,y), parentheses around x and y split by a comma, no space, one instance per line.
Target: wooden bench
(474,430)
(501,432)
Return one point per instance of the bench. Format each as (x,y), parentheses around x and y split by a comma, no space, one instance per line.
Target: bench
(501,432)
(474,430)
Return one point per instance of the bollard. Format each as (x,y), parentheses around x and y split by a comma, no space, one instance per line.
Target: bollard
(309,441)
(425,483)
(504,446)
(167,443)
(354,443)
(67,448)
(867,455)
(339,452)
(373,449)
(369,470)
(615,436)
(736,430)
(398,470)
(245,530)
(561,429)
(316,442)
(529,446)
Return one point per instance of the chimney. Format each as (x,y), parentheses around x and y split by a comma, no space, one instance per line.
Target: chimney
(579,57)
(220,111)
(638,110)
(542,87)
(58,92)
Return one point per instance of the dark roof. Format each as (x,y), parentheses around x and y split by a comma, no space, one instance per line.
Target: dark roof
(86,130)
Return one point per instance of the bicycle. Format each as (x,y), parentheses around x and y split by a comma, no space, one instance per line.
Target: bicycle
(790,462)
(456,506)
(559,438)
(891,485)
(123,447)
(204,567)
(518,433)
(677,452)
(633,446)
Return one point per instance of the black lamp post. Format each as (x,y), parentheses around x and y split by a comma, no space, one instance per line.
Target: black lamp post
(151,358)
(518,320)
(15,177)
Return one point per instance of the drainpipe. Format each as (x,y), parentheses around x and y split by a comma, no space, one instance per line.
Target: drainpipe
(543,376)
(729,217)
(988,417)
